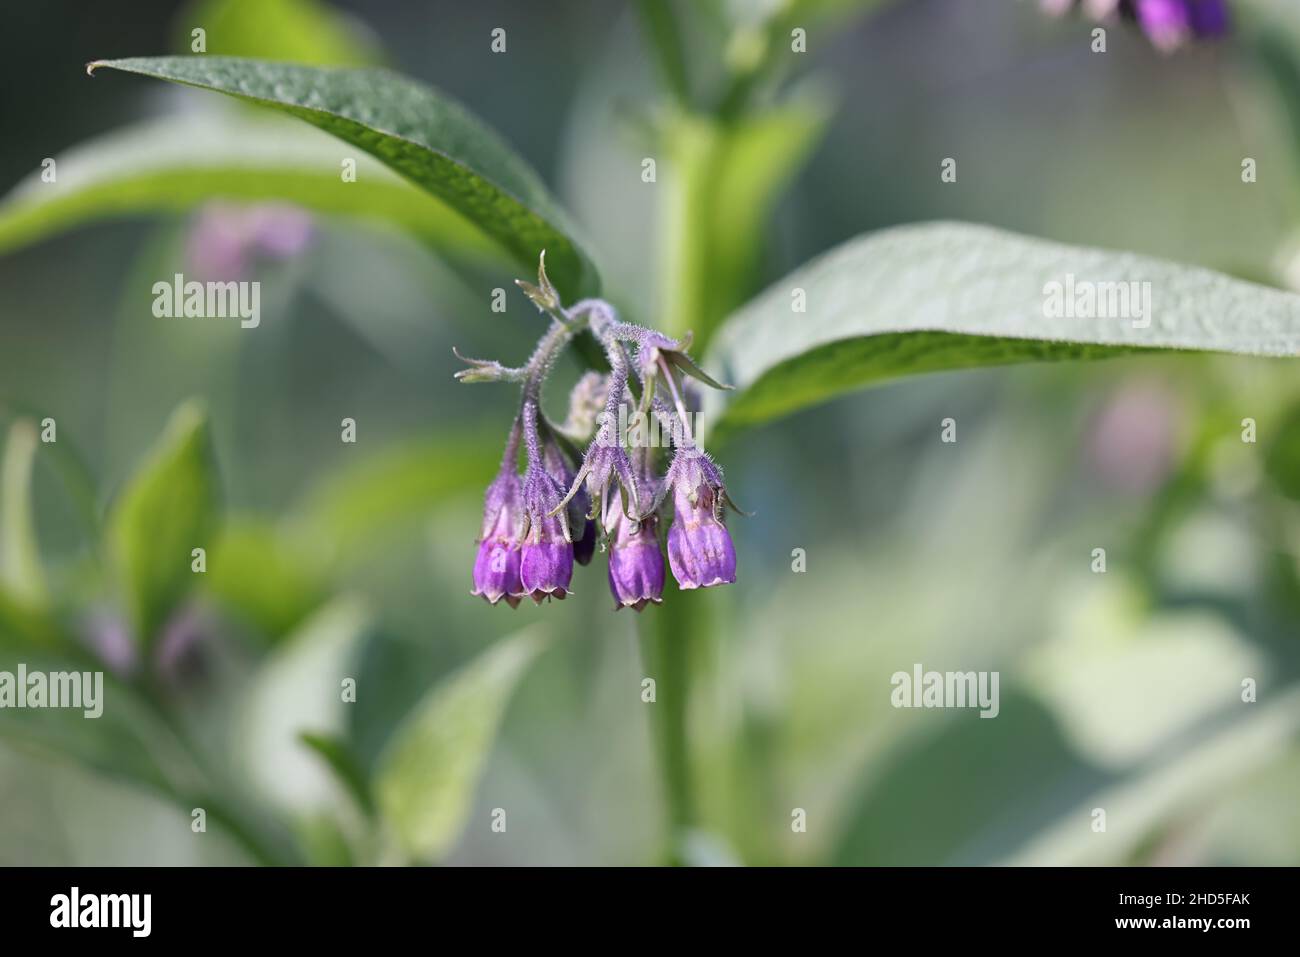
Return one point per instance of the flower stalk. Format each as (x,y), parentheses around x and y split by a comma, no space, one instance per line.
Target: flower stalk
(538,524)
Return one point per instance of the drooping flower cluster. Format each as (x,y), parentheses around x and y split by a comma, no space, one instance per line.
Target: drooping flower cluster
(538,523)
(1168,23)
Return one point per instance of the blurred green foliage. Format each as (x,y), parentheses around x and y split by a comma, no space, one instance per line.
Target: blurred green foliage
(332,564)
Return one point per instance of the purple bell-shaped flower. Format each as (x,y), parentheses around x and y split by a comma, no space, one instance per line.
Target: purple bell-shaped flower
(546,565)
(636,565)
(496,569)
(700,550)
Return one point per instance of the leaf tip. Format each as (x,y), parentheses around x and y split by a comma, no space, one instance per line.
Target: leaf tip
(94,65)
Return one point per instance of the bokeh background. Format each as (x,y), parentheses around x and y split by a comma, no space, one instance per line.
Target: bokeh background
(1119,690)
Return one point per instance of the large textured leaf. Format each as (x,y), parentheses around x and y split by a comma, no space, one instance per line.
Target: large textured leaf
(413,129)
(425,780)
(938,296)
(168,509)
(176,162)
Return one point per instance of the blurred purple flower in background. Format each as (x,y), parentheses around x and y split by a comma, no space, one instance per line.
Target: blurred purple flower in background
(1168,23)
(1132,440)
(109,639)
(226,241)
(179,656)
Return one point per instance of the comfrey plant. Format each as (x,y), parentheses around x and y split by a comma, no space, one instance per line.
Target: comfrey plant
(727,135)
(1168,23)
(538,523)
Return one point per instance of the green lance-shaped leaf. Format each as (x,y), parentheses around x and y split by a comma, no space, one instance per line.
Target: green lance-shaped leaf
(175,163)
(300,689)
(412,128)
(20,560)
(424,782)
(168,509)
(345,765)
(937,296)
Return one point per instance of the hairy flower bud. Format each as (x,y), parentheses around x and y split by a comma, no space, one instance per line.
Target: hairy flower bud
(604,464)
(657,353)
(586,400)
(496,569)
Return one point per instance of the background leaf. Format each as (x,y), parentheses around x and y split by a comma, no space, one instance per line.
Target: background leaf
(177,162)
(1220,759)
(426,777)
(759,47)
(724,182)
(264,575)
(22,626)
(937,296)
(340,759)
(293,31)
(350,510)
(167,509)
(122,743)
(412,128)
(297,690)
(20,559)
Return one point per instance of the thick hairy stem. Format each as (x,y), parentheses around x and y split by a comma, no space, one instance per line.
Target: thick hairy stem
(543,358)
(510,458)
(532,439)
(617,389)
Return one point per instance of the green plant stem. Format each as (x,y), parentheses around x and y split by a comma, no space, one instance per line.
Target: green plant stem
(659,20)
(665,651)
(668,632)
(767,41)
(543,358)
(684,255)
